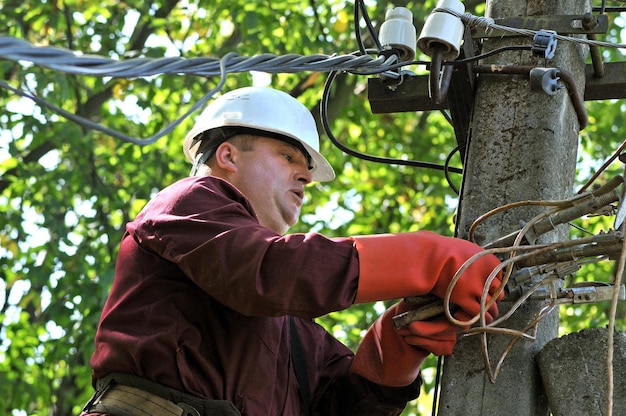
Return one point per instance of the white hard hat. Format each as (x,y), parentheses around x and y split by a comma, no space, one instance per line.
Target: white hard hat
(264,110)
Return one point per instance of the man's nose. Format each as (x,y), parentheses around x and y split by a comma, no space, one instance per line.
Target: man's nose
(304,174)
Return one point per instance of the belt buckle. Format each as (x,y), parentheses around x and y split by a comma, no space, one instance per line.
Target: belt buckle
(188,410)
(96,397)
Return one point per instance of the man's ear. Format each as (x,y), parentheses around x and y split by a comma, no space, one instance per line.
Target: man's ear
(226,157)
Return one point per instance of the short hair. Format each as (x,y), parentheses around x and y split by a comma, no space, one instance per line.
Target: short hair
(210,140)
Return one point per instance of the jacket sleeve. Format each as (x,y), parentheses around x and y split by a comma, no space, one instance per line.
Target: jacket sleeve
(336,391)
(209,230)
(352,395)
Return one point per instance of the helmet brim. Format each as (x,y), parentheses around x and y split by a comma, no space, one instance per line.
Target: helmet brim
(322,170)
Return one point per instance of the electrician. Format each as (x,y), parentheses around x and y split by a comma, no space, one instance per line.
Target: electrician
(212,306)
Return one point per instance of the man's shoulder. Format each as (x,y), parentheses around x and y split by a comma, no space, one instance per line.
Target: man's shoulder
(197,188)
(212,184)
(194,195)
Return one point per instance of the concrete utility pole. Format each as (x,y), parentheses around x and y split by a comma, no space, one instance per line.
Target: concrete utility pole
(523,146)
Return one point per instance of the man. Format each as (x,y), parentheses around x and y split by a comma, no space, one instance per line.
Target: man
(211,310)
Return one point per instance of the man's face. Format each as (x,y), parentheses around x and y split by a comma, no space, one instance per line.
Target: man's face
(272,176)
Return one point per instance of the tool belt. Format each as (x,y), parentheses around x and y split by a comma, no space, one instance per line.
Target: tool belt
(127,395)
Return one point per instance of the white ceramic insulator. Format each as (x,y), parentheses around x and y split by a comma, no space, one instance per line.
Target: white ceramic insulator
(397,32)
(443,29)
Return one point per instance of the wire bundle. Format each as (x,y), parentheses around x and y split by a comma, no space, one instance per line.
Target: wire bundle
(67,61)
(565,258)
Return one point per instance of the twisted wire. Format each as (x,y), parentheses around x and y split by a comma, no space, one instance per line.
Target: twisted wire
(70,62)
(114,133)
(529,331)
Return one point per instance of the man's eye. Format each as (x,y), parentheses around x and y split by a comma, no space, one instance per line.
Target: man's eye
(288,157)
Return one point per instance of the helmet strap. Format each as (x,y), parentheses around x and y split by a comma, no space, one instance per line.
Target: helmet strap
(201,159)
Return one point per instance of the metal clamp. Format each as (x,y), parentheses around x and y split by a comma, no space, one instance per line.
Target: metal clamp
(589,293)
(544,44)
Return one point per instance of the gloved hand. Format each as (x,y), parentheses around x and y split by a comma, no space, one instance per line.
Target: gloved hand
(391,357)
(393,266)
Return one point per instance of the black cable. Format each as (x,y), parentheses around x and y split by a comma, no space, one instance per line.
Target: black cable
(363,156)
(436,64)
(447,116)
(603,9)
(370,26)
(437,384)
(438,77)
(357,30)
(447,170)
(490,53)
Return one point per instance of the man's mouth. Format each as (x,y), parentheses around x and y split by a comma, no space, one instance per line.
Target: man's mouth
(298,193)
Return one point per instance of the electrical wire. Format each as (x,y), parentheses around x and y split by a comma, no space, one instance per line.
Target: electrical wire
(114,133)
(370,158)
(552,275)
(485,328)
(611,330)
(489,54)
(613,310)
(428,64)
(437,384)
(488,23)
(67,61)
(526,203)
(605,9)
(604,166)
(560,213)
(360,6)
(357,30)
(446,171)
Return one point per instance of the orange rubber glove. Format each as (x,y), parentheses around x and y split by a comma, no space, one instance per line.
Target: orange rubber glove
(393,266)
(391,357)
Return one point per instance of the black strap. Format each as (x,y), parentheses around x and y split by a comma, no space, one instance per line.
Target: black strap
(299,365)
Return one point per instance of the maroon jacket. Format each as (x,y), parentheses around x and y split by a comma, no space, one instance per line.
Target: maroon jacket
(201,299)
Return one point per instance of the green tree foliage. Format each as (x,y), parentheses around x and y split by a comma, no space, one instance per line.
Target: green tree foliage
(66,191)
